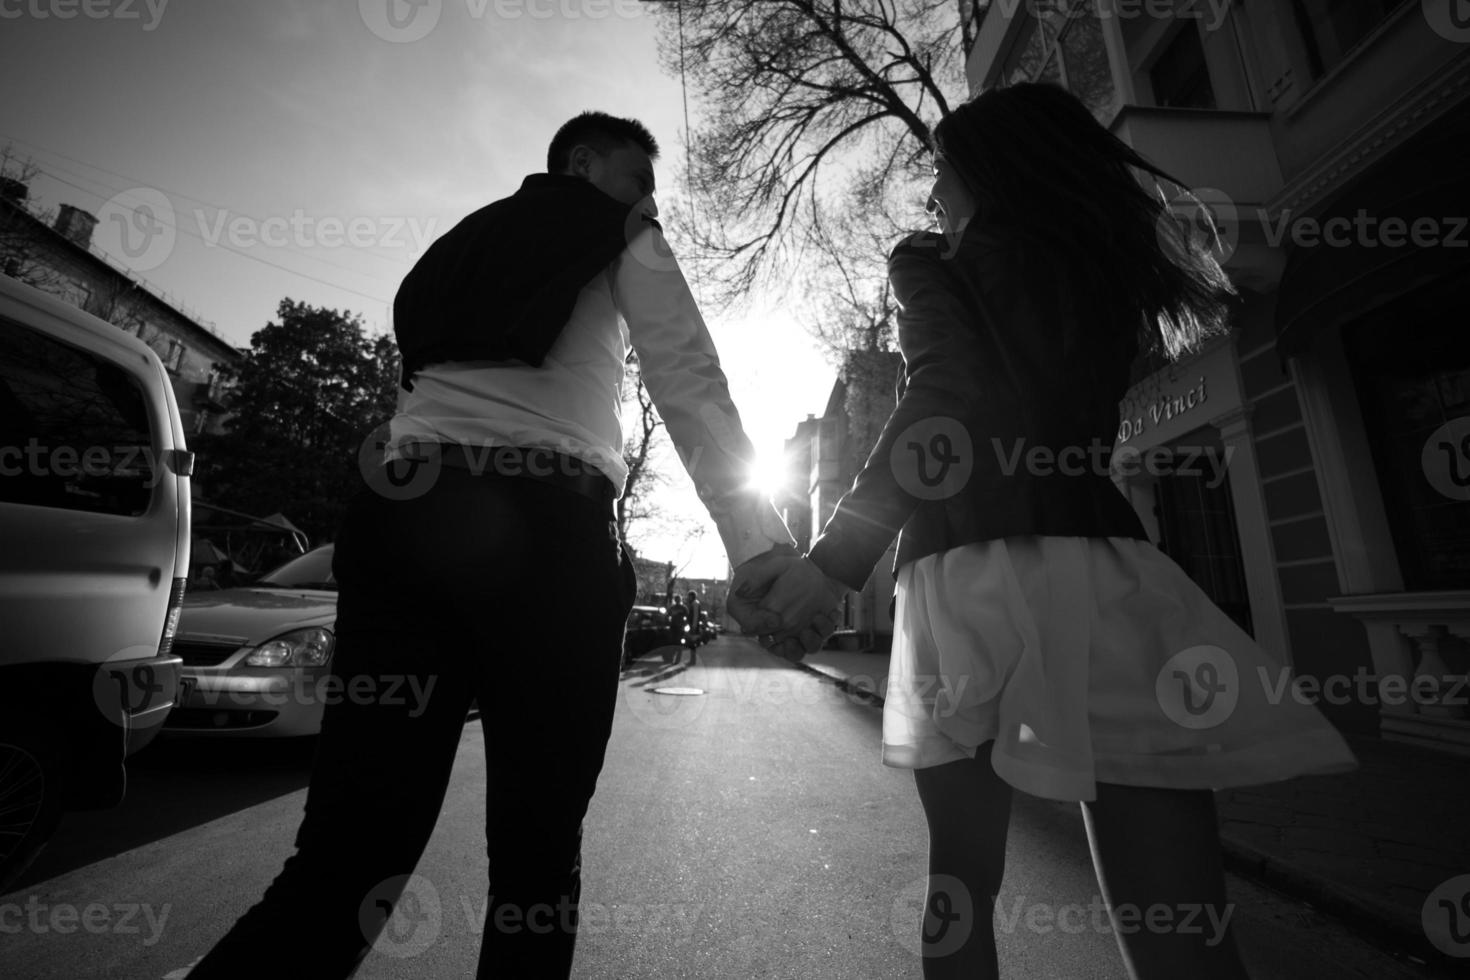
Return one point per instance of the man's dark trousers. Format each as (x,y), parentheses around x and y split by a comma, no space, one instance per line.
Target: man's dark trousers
(456,585)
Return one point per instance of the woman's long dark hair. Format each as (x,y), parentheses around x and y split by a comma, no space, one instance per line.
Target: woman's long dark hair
(1049,174)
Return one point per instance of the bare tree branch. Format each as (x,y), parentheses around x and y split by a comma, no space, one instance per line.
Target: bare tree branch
(817,117)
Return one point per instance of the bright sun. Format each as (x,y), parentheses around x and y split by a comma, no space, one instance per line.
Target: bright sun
(768,473)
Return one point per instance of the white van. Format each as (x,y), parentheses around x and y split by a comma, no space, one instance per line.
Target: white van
(94,553)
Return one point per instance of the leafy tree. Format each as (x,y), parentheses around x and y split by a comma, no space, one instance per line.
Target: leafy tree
(310,390)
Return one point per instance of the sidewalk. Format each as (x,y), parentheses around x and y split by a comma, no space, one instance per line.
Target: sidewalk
(1368,847)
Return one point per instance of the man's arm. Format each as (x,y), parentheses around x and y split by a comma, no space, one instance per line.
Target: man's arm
(682,372)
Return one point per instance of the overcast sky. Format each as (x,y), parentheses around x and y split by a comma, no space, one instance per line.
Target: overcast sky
(239,153)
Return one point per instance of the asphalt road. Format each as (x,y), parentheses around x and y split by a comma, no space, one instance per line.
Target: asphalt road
(746,831)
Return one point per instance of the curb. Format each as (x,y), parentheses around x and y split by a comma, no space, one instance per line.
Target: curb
(1381,924)
(857,691)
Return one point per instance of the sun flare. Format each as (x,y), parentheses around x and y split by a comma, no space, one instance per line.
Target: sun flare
(769,475)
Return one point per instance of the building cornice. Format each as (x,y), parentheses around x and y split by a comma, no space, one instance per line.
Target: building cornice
(1387,131)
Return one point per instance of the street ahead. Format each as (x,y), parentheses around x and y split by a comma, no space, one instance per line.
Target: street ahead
(746,831)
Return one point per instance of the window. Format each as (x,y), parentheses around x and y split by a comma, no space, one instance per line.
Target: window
(312,570)
(1412,373)
(75,292)
(1180,77)
(1063,43)
(175,357)
(1332,28)
(74,428)
(1197,530)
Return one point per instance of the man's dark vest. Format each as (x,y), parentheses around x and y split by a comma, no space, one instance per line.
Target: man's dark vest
(502,283)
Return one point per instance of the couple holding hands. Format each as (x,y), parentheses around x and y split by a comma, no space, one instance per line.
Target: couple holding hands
(1063,642)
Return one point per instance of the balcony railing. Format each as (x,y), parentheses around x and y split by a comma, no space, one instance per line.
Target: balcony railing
(1419,642)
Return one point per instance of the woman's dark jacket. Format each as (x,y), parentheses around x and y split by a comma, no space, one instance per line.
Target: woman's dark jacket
(995,378)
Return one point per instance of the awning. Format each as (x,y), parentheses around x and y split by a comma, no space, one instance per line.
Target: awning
(1324,286)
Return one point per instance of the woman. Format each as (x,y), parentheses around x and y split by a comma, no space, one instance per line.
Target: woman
(1041,643)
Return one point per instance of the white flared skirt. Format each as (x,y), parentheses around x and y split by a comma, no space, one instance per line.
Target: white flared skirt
(1088,660)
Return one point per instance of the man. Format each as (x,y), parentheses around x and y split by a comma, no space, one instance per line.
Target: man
(678,619)
(694,636)
(504,462)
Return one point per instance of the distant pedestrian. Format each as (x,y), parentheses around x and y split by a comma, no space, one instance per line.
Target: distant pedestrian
(678,619)
(694,634)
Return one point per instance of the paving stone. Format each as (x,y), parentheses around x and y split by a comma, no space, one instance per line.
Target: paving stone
(1247,813)
(1420,854)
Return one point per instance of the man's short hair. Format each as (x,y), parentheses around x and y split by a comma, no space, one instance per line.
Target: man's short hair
(600,131)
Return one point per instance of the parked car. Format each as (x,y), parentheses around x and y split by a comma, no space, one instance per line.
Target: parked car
(254,657)
(94,516)
(648,629)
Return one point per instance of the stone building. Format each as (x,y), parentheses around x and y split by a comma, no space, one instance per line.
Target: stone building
(57,255)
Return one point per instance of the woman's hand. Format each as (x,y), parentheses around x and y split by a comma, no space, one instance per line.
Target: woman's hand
(806,602)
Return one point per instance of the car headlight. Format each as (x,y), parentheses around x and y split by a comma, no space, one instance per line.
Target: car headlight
(299,648)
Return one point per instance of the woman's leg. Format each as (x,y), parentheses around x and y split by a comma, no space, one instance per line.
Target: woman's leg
(1157,854)
(968,808)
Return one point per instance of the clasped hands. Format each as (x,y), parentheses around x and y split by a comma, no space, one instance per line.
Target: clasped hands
(785,599)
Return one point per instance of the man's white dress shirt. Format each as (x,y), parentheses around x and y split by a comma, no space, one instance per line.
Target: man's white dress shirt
(573,403)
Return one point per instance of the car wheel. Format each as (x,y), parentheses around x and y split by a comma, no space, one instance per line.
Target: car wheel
(30,795)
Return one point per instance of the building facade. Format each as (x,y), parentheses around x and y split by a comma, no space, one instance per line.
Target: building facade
(823,457)
(58,256)
(1312,470)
